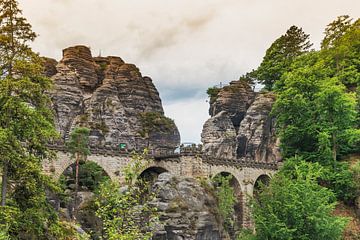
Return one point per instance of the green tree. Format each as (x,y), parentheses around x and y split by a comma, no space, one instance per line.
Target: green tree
(126,212)
(336,111)
(280,55)
(213,93)
(313,110)
(15,32)
(294,206)
(335,30)
(26,127)
(225,195)
(78,146)
(342,51)
(26,122)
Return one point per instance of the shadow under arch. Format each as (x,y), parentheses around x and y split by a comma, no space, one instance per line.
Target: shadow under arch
(79,205)
(151,173)
(238,207)
(262,181)
(90,175)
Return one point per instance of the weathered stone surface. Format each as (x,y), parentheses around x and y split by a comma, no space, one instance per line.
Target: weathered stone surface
(108,96)
(234,99)
(243,127)
(219,136)
(256,136)
(50,66)
(187,210)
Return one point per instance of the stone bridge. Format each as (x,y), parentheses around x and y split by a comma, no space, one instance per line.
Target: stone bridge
(245,172)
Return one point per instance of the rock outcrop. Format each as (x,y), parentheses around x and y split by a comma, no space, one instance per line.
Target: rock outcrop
(219,136)
(240,126)
(187,210)
(111,98)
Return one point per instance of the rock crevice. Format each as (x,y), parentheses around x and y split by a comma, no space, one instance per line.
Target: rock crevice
(240,126)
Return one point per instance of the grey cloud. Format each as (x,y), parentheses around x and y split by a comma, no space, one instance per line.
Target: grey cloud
(170,35)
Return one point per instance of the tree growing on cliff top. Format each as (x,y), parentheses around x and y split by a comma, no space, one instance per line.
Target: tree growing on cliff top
(280,55)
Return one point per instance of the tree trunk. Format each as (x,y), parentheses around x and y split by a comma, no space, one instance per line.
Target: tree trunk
(4,184)
(76,180)
(334,147)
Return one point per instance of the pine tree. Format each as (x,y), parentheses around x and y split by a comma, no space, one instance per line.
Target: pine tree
(335,30)
(25,118)
(78,146)
(280,55)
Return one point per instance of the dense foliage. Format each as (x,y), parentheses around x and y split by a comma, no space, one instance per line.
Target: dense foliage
(153,122)
(317,114)
(126,212)
(314,110)
(91,175)
(226,199)
(280,55)
(26,126)
(295,206)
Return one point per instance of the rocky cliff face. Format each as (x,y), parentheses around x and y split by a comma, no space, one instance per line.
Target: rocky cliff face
(110,97)
(188,210)
(240,126)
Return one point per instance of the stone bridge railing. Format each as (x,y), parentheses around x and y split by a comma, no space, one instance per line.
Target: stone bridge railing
(152,153)
(242,162)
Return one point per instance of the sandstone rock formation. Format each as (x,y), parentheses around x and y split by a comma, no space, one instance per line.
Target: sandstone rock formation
(188,211)
(240,126)
(110,97)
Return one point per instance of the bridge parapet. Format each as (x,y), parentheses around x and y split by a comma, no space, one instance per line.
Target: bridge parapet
(242,162)
(158,153)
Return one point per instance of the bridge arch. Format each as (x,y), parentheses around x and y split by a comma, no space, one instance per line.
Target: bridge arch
(261,181)
(90,176)
(239,195)
(57,167)
(150,173)
(230,170)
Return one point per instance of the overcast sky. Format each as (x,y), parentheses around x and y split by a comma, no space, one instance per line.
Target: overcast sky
(185,46)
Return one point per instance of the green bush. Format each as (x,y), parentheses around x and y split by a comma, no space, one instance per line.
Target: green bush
(296,207)
(127,214)
(91,175)
(226,199)
(246,235)
(155,122)
(340,179)
(213,93)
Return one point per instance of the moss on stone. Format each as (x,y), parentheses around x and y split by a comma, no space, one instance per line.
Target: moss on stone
(155,122)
